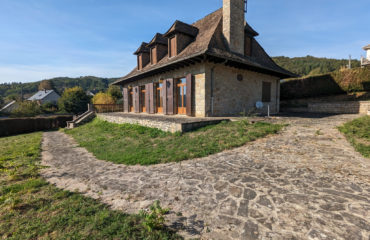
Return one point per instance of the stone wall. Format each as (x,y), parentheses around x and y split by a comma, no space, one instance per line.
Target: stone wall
(232,97)
(164,126)
(361,107)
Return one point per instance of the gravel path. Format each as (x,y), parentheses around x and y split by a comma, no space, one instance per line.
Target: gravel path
(305,183)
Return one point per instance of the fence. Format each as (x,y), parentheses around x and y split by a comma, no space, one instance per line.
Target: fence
(12,126)
(106,108)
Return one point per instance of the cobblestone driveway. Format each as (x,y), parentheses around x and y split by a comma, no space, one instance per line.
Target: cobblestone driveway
(305,183)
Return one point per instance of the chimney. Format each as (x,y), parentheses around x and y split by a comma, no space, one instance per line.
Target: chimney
(233,24)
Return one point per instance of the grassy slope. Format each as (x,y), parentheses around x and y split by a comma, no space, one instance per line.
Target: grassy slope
(358,133)
(133,144)
(30,208)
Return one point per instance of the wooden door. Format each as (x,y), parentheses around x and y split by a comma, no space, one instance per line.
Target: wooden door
(131,101)
(159,98)
(181,96)
(142,99)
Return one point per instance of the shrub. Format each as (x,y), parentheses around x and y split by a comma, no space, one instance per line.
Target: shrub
(339,82)
(74,100)
(27,109)
(115,92)
(49,107)
(103,98)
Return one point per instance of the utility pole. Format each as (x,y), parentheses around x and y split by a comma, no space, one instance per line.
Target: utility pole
(350,63)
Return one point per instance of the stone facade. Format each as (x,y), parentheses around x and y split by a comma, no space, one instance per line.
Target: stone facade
(218,92)
(232,96)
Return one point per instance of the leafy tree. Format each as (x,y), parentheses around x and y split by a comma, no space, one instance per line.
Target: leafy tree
(103,98)
(27,109)
(49,107)
(46,85)
(115,92)
(1,101)
(74,100)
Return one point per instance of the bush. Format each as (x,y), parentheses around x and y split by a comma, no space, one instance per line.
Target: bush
(115,92)
(339,82)
(27,109)
(103,98)
(49,107)
(74,100)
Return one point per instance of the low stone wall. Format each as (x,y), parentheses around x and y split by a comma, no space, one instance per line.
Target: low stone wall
(361,107)
(165,124)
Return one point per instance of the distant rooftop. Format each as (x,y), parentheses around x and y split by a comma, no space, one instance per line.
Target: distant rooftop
(40,95)
(367,47)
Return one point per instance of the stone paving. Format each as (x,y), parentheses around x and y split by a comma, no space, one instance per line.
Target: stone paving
(304,183)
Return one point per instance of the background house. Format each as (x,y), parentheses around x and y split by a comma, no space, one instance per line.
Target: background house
(9,107)
(45,96)
(214,67)
(365,62)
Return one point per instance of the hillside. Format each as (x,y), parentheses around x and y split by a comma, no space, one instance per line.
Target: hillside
(61,83)
(309,65)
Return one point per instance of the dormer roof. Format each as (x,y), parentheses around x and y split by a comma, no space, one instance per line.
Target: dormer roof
(181,27)
(250,31)
(158,39)
(142,49)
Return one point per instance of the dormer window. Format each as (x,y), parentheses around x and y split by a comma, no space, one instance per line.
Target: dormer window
(172,46)
(158,48)
(153,55)
(248,46)
(250,33)
(180,35)
(142,56)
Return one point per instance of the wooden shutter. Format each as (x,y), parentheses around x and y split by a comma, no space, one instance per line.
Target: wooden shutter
(169,86)
(173,47)
(147,98)
(137,99)
(266,92)
(151,98)
(164,97)
(125,100)
(153,55)
(189,87)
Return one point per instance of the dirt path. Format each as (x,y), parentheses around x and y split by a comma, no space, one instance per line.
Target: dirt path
(305,183)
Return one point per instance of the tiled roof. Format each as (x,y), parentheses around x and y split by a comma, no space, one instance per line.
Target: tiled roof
(181,27)
(209,42)
(142,49)
(40,95)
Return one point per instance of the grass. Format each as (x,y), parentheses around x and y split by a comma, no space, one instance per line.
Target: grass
(134,144)
(358,134)
(30,208)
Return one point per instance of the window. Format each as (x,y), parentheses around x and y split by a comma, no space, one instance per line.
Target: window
(248,46)
(266,92)
(172,47)
(140,61)
(153,55)
(159,98)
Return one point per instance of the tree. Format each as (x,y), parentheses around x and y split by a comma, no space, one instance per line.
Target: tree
(46,85)
(1,101)
(74,100)
(27,109)
(115,92)
(103,98)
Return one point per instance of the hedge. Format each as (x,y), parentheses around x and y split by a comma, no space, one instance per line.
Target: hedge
(12,126)
(339,82)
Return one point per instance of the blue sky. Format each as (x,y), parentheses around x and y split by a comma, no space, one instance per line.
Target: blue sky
(42,39)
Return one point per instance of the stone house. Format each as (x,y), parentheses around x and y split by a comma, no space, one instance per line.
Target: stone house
(213,67)
(44,96)
(365,62)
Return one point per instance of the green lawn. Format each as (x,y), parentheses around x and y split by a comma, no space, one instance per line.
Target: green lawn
(30,208)
(358,133)
(134,144)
